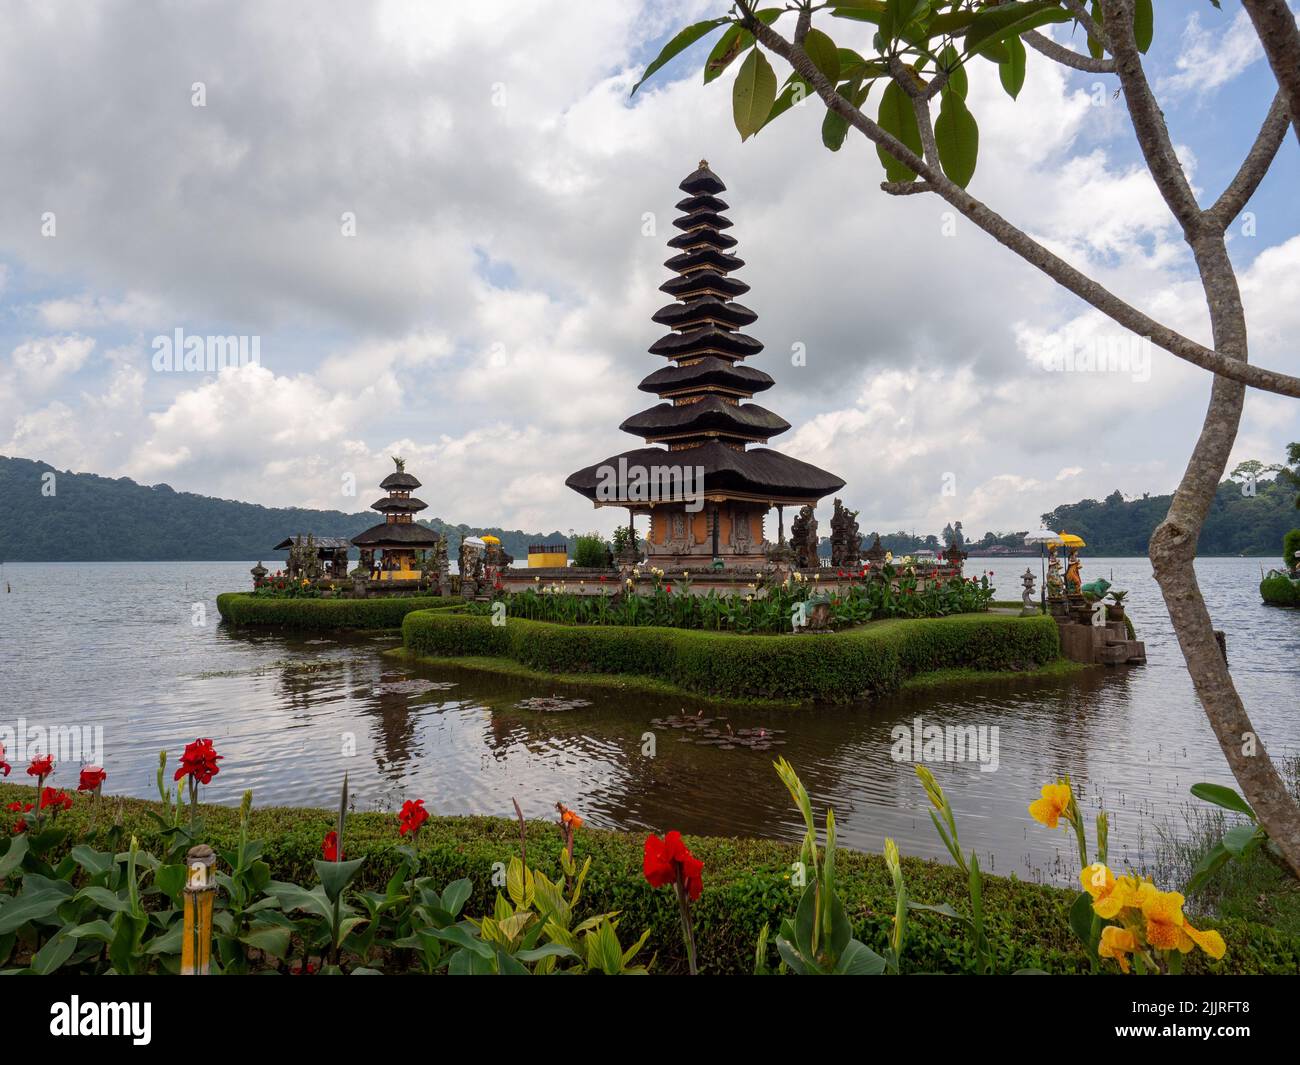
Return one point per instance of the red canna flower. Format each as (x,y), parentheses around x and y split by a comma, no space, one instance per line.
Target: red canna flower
(41,766)
(200,762)
(53,797)
(20,808)
(303,968)
(330,848)
(668,861)
(413,815)
(4,766)
(669,589)
(92,778)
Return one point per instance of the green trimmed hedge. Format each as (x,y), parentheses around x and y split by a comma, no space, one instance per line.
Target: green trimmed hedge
(1280,591)
(838,666)
(381,612)
(746,883)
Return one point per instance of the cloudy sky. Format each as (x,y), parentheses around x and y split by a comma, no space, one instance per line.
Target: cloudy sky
(488,318)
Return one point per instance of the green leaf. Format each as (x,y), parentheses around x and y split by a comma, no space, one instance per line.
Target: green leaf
(796,89)
(96,863)
(753,94)
(170,942)
(1241,838)
(293,897)
(456,894)
(835,127)
(994,25)
(1081,916)
(57,951)
(170,880)
(1225,797)
(950,60)
(733,42)
(269,939)
(105,899)
(13,857)
(822,51)
(1144,24)
(859,960)
(335,876)
(460,936)
(1012,72)
(99,929)
(897,117)
(1095,48)
(677,45)
(1211,862)
(958,139)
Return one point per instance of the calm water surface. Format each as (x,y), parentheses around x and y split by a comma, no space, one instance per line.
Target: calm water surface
(115,644)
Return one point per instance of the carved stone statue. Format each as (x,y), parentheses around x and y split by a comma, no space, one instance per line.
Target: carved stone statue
(1029,607)
(846,539)
(803,538)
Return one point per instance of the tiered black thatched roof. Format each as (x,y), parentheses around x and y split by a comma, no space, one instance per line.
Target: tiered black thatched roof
(399,507)
(704,420)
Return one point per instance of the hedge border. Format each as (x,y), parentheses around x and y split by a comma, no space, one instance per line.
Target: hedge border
(746,883)
(381,612)
(867,661)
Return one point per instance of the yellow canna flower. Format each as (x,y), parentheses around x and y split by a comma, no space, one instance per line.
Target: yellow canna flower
(1049,809)
(1109,895)
(1163,911)
(1210,942)
(1117,943)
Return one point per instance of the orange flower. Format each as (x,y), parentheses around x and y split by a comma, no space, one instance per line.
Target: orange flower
(1163,911)
(1052,806)
(1210,942)
(569,819)
(1109,895)
(1117,943)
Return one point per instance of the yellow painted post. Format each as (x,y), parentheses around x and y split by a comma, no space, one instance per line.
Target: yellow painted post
(200,892)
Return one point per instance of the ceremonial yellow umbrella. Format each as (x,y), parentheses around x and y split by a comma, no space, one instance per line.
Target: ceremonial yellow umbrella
(1070,540)
(490,539)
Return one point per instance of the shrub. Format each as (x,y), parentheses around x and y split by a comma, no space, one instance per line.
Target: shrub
(828,667)
(1291,545)
(1280,590)
(590,551)
(386,612)
(746,883)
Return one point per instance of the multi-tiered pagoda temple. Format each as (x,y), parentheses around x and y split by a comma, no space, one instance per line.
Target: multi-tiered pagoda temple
(399,539)
(704,424)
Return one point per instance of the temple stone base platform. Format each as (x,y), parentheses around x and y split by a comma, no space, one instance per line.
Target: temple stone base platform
(1106,644)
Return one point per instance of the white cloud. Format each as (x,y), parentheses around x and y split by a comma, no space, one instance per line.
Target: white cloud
(1213,57)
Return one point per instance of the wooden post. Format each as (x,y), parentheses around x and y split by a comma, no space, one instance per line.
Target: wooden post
(200,892)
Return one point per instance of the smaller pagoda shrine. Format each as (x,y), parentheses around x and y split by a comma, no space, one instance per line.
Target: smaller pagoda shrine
(399,549)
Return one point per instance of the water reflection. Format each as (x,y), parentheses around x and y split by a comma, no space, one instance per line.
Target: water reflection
(293,713)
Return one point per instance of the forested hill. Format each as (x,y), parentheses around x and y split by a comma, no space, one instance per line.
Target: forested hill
(98,519)
(95,519)
(1237,524)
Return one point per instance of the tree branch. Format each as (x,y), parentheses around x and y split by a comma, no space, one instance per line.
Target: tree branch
(1253,168)
(1014,239)
(1277,31)
(1148,120)
(1090,27)
(1043,44)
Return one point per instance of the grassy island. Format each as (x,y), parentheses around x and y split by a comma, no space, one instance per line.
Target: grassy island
(381,612)
(866,660)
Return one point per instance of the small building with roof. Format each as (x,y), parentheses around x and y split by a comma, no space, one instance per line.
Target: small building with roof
(395,549)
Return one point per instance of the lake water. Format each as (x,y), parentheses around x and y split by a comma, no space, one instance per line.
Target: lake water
(137,648)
